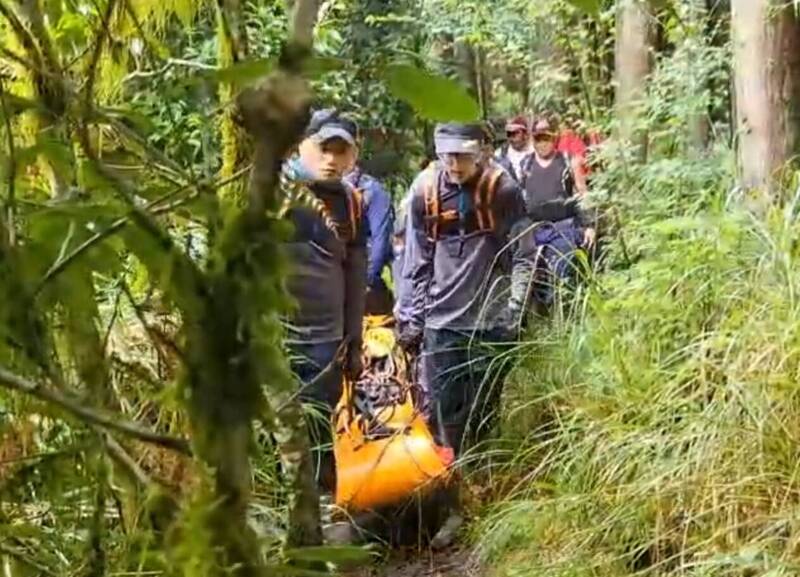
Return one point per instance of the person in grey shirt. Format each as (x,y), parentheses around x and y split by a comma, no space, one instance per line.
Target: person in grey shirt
(328,260)
(470,271)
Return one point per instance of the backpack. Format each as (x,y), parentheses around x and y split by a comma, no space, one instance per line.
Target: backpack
(482,202)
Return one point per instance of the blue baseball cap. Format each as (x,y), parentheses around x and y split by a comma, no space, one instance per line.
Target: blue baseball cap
(328,124)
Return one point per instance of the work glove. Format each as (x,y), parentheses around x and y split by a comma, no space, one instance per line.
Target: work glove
(410,338)
(353,362)
(589,238)
(510,322)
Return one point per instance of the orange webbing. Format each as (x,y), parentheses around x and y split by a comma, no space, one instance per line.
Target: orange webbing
(490,192)
(432,209)
(478,201)
(354,206)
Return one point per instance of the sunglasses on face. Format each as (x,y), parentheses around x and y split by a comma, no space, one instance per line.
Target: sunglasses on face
(515,133)
(543,136)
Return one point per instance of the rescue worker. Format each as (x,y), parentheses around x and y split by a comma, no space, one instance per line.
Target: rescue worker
(328,275)
(469,279)
(379,220)
(517,147)
(554,187)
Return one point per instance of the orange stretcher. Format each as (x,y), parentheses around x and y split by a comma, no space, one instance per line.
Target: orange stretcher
(384,455)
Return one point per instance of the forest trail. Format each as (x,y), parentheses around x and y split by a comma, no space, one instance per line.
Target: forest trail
(457,561)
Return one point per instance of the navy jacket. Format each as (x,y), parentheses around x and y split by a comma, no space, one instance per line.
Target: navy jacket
(379,220)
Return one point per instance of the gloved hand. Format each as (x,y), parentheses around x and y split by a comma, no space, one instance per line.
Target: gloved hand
(409,337)
(589,238)
(353,362)
(510,322)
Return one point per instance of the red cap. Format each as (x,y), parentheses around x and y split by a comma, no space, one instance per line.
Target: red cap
(517,123)
(543,126)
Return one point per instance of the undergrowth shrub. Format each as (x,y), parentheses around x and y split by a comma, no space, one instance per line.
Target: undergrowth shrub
(655,426)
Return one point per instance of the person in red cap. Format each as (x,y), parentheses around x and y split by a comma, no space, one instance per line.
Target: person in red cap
(517,147)
(554,187)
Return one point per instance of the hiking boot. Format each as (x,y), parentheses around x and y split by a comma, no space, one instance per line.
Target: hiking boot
(339,533)
(326,509)
(448,532)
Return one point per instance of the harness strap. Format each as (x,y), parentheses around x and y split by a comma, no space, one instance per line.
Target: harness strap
(355,206)
(483,200)
(479,200)
(490,193)
(430,192)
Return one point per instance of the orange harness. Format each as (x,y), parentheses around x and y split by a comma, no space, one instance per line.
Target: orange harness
(483,201)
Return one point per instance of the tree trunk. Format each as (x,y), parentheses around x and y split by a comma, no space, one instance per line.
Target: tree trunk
(698,122)
(632,65)
(465,65)
(766,36)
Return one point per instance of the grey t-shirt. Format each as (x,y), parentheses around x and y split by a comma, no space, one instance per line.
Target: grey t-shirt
(463,279)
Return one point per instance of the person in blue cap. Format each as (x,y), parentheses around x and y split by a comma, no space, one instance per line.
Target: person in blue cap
(328,272)
(470,272)
(379,221)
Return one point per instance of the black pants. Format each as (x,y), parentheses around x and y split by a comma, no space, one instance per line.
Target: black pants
(464,373)
(309,360)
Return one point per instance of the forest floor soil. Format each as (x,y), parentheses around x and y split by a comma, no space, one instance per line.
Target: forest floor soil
(457,561)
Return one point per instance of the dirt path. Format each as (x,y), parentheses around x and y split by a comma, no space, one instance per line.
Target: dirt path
(456,562)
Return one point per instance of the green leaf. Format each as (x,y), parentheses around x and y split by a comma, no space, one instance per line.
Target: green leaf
(345,555)
(591,7)
(319,65)
(431,96)
(245,72)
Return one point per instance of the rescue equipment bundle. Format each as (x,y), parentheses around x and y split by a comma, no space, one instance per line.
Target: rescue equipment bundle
(384,450)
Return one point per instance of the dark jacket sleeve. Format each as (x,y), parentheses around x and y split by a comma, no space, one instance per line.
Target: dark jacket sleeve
(380,220)
(419,255)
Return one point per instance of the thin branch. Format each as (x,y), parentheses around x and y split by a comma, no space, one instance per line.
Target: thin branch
(111,321)
(11,199)
(158,338)
(20,556)
(23,34)
(171,63)
(98,417)
(60,265)
(124,460)
(91,73)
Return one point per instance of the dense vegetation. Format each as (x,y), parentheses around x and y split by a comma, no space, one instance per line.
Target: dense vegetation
(651,425)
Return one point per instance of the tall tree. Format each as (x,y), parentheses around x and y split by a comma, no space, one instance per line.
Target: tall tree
(632,63)
(698,123)
(766,36)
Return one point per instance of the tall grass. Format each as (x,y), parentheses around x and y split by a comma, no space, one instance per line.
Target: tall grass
(660,420)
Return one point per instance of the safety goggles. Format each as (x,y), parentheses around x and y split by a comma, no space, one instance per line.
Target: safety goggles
(454,157)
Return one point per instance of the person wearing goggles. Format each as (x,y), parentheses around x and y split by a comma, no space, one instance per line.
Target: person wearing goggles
(469,275)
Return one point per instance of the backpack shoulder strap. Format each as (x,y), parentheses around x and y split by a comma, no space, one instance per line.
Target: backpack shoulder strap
(355,210)
(567,175)
(432,203)
(485,192)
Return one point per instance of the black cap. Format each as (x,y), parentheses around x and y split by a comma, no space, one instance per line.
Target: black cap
(455,137)
(328,124)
